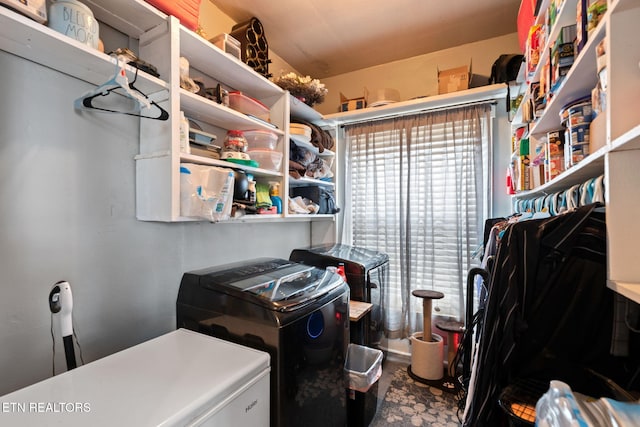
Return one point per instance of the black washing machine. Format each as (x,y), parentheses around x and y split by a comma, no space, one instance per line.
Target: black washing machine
(367,274)
(297,313)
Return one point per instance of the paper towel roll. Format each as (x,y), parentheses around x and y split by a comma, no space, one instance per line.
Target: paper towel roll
(427,356)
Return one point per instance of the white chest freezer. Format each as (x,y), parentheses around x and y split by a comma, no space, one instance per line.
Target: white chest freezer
(182,378)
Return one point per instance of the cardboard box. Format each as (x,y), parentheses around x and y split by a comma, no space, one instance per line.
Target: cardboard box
(454,79)
(347,104)
(228,44)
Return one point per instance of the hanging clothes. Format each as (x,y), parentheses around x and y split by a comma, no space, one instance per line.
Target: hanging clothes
(549,313)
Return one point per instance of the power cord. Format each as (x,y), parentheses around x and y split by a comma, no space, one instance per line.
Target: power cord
(53,357)
(75,337)
(53,346)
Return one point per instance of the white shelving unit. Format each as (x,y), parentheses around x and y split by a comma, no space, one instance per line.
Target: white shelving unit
(619,158)
(158,164)
(161,41)
(300,111)
(35,42)
(479,94)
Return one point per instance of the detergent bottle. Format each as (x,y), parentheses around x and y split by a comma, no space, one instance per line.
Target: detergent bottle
(341,272)
(274,193)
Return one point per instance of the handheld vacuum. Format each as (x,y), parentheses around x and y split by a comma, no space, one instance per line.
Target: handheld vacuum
(61,305)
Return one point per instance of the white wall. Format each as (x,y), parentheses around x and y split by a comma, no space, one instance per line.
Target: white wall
(67,185)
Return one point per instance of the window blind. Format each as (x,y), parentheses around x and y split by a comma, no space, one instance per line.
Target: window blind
(418,192)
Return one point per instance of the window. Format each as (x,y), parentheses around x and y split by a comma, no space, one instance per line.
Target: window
(417,189)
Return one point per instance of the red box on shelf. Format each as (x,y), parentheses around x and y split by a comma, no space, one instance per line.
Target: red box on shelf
(187,11)
(526,18)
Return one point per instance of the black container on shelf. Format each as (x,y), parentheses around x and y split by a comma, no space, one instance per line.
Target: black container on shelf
(254,47)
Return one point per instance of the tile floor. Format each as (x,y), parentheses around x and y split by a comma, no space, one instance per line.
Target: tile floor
(398,355)
(392,362)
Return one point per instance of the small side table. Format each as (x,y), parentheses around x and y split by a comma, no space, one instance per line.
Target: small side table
(359,321)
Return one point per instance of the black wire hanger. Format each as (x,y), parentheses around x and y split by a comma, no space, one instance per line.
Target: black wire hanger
(120,82)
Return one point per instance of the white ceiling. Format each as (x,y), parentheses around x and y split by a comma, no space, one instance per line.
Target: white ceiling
(323,38)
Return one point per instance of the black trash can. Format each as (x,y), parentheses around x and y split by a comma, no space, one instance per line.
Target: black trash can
(362,369)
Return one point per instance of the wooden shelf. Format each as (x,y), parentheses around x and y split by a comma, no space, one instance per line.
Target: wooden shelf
(200,108)
(591,167)
(578,83)
(258,172)
(35,42)
(618,159)
(305,182)
(132,17)
(230,71)
(301,111)
(310,217)
(628,141)
(484,93)
(302,142)
(621,6)
(566,16)
(358,309)
(629,290)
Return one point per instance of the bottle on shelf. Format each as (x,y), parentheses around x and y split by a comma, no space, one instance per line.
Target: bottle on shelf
(274,193)
(184,134)
(340,271)
(251,193)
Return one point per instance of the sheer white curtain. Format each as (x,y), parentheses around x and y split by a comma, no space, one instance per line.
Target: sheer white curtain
(416,188)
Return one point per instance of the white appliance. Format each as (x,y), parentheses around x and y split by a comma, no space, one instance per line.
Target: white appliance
(183,378)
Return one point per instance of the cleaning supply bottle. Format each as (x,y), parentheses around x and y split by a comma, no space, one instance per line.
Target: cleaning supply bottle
(251,192)
(274,193)
(341,272)
(184,134)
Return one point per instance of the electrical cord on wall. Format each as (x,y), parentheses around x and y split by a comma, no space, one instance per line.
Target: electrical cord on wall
(75,337)
(53,345)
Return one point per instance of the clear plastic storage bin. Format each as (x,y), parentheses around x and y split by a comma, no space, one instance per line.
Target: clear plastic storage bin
(261,139)
(267,159)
